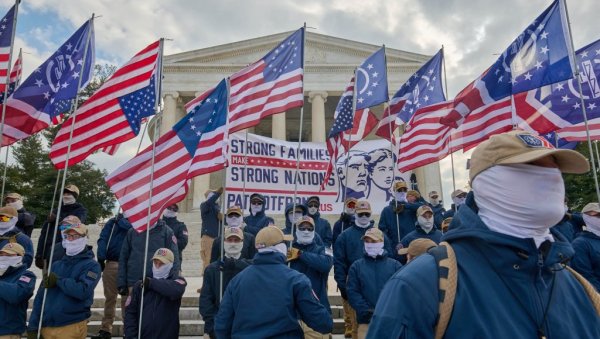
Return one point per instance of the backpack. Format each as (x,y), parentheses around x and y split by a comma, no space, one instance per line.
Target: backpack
(448,279)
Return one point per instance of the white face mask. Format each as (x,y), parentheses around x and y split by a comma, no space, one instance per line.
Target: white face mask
(304,237)
(426,224)
(293,217)
(8,225)
(254,209)
(592,224)
(161,272)
(362,222)
(349,211)
(313,210)
(6,262)
(233,221)
(16,205)
(434,202)
(74,247)
(279,248)
(374,249)
(509,202)
(233,249)
(400,196)
(68,199)
(458,201)
(169,214)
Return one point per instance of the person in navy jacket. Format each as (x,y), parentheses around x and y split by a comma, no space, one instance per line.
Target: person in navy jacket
(9,232)
(162,299)
(268,299)
(399,217)
(587,246)
(16,288)
(425,227)
(312,259)
(257,219)
(367,277)
(69,290)
(322,226)
(512,280)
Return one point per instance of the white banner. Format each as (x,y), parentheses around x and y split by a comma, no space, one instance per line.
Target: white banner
(272,165)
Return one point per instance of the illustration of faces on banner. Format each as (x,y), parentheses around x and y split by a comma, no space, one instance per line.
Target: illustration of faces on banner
(370,175)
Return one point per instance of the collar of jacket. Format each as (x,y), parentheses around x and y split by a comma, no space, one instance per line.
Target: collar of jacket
(269,258)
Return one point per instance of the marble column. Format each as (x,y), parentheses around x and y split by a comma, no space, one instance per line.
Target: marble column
(201,184)
(318,100)
(169,116)
(278,130)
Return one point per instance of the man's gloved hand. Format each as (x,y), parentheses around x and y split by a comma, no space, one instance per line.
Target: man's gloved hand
(343,293)
(123,291)
(51,217)
(147,283)
(102,264)
(220,216)
(399,208)
(220,190)
(39,263)
(368,315)
(50,280)
(33,335)
(293,254)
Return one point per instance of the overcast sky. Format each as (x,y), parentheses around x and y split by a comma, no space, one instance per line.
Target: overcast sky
(473,32)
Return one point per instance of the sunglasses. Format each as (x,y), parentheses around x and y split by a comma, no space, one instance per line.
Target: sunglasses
(313,205)
(72,236)
(233,215)
(402,190)
(4,218)
(363,215)
(256,202)
(304,228)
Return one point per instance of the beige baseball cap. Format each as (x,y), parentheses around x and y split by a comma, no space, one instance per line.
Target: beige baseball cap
(417,247)
(421,210)
(235,232)
(591,207)
(373,233)
(519,147)
(270,236)
(165,255)
(362,206)
(13,195)
(9,211)
(13,248)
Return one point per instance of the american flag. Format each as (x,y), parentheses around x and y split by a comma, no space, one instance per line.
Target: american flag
(114,112)
(15,76)
(6,36)
(539,56)
(371,81)
(578,132)
(269,86)
(558,142)
(196,145)
(348,129)
(422,89)
(50,89)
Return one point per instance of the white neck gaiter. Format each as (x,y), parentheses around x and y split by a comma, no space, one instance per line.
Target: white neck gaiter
(233,221)
(434,202)
(374,249)
(304,237)
(255,209)
(169,214)
(362,222)
(294,217)
(8,226)
(592,224)
(313,210)
(6,262)
(68,199)
(74,247)
(400,196)
(426,224)
(280,248)
(233,249)
(508,198)
(162,272)
(16,205)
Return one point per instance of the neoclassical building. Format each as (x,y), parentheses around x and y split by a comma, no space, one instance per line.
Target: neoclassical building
(329,65)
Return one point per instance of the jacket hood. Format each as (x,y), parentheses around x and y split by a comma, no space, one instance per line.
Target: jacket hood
(257,195)
(467,224)
(289,207)
(124,223)
(379,257)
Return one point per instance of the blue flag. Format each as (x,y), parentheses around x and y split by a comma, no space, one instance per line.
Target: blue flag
(371,81)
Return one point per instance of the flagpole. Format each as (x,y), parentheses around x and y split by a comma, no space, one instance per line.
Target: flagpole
(597,155)
(224,194)
(349,137)
(293,230)
(449,137)
(583,109)
(142,138)
(245,166)
(5,167)
(64,178)
(8,71)
(156,134)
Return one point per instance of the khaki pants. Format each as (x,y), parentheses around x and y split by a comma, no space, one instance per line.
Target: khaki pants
(111,293)
(73,331)
(206,243)
(350,324)
(309,333)
(10,336)
(362,331)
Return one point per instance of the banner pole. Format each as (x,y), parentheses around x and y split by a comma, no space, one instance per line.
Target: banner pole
(224,194)
(8,71)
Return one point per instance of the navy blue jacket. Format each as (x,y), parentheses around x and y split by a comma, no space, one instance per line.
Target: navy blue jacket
(343,223)
(111,238)
(45,240)
(565,228)
(255,223)
(315,263)
(16,288)
(450,213)
(211,287)
(323,229)
(406,219)
(23,240)
(180,231)
(434,234)
(70,300)
(248,250)
(504,288)
(162,300)
(267,299)
(349,248)
(131,259)
(366,279)
(209,212)
(438,214)
(26,221)
(576,220)
(587,257)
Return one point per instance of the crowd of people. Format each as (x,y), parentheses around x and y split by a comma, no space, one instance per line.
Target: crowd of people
(500,263)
